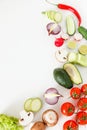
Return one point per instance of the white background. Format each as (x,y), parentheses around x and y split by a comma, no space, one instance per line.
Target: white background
(27,55)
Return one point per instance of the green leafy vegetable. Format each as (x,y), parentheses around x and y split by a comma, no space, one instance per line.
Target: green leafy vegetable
(9,123)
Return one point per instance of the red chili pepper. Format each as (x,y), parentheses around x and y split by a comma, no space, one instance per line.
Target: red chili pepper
(70,8)
(73,10)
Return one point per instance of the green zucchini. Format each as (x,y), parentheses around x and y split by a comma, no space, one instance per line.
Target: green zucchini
(70,25)
(83,31)
(77,58)
(73,72)
(62,78)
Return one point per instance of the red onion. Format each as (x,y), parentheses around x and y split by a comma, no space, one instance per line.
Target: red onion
(52,96)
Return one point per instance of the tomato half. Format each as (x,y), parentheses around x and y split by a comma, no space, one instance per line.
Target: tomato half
(67,108)
(81,118)
(82,104)
(75,93)
(84,89)
(70,125)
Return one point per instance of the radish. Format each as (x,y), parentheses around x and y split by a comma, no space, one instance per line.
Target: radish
(78,36)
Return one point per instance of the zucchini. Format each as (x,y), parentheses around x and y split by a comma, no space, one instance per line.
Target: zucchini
(83,31)
(62,78)
(73,72)
(70,25)
(77,58)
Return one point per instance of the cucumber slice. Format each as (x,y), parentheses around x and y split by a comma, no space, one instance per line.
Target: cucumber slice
(72,57)
(58,17)
(36,104)
(70,24)
(52,14)
(83,49)
(27,103)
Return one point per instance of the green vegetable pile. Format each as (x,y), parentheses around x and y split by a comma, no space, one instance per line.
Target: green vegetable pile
(9,123)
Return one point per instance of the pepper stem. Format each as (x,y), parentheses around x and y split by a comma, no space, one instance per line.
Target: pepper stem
(51,3)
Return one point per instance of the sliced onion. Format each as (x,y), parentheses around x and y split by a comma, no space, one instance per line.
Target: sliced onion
(52,96)
(53,28)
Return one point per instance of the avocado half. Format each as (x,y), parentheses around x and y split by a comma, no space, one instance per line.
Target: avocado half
(73,72)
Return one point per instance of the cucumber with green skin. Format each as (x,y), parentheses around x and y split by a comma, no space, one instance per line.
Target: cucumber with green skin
(62,78)
(70,25)
(83,31)
(77,58)
(53,15)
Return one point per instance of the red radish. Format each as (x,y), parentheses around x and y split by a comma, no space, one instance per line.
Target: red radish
(78,36)
(59,42)
(65,36)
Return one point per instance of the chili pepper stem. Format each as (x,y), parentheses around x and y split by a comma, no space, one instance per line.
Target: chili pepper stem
(51,3)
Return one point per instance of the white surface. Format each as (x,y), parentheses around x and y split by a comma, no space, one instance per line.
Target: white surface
(27,55)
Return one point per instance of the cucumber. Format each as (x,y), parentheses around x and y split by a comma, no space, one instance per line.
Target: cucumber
(53,15)
(33,104)
(73,72)
(83,31)
(27,103)
(62,78)
(77,58)
(70,25)
(57,17)
(36,105)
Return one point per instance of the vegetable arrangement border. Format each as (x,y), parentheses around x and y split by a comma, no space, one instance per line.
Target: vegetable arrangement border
(67,76)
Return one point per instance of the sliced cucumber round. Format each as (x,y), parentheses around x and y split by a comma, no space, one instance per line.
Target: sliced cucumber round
(58,17)
(36,104)
(27,104)
(33,104)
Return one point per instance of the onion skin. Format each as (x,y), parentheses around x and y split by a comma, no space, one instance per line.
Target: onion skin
(51,96)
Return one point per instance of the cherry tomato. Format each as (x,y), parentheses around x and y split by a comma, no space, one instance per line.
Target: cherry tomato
(70,125)
(75,93)
(84,89)
(59,42)
(82,104)
(81,118)
(67,108)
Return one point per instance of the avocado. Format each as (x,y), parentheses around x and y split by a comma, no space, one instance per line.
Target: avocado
(62,78)
(73,72)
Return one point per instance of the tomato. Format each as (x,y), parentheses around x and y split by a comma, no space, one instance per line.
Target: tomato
(67,108)
(81,118)
(82,104)
(75,93)
(84,89)
(70,125)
